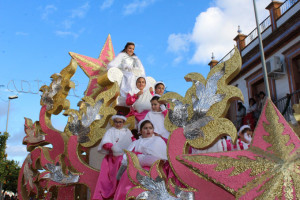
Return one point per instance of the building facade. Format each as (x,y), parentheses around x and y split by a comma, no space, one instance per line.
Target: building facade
(281,40)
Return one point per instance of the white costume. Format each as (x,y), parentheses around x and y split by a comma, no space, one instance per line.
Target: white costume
(217,147)
(143,102)
(120,138)
(131,68)
(252,108)
(158,119)
(153,148)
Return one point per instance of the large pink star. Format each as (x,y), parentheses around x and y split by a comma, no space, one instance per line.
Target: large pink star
(269,169)
(93,67)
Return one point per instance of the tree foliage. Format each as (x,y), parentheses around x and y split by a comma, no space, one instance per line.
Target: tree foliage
(11,174)
(9,169)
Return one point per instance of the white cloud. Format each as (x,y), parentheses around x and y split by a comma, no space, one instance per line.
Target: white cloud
(67,24)
(177,60)
(81,11)
(215,29)
(137,6)
(3,108)
(69,33)
(150,59)
(49,9)
(22,33)
(66,33)
(16,150)
(106,4)
(178,43)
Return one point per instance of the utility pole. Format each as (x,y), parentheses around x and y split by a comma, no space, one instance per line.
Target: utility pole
(262,56)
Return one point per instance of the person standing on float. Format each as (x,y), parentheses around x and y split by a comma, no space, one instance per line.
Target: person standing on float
(131,67)
(112,144)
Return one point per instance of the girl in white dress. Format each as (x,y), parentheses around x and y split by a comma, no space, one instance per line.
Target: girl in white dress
(149,148)
(159,88)
(157,117)
(112,144)
(140,100)
(131,67)
(245,134)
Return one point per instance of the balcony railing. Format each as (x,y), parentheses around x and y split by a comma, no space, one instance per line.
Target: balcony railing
(227,56)
(287,5)
(285,104)
(253,35)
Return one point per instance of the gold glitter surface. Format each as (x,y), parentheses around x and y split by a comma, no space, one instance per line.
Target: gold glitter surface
(232,68)
(136,164)
(296,127)
(276,138)
(97,128)
(276,172)
(166,97)
(59,100)
(219,126)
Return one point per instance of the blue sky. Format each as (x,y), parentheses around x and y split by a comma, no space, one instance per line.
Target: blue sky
(172,37)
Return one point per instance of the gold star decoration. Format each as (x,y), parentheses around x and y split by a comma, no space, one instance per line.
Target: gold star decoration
(269,169)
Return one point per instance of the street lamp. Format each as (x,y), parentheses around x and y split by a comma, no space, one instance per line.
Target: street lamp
(9,98)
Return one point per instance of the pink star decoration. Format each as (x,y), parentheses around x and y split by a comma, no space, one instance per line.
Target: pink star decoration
(93,67)
(269,169)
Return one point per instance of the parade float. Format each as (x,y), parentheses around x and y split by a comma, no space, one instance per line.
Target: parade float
(69,167)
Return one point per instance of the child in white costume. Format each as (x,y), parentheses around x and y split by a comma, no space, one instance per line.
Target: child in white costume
(157,117)
(159,88)
(131,67)
(117,138)
(140,99)
(112,144)
(149,148)
(245,134)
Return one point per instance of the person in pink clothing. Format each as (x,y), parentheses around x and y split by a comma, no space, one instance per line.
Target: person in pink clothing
(149,148)
(112,144)
(140,100)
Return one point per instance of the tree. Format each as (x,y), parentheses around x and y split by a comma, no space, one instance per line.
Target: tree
(3,155)
(9,169)
(3,138)
(11,176)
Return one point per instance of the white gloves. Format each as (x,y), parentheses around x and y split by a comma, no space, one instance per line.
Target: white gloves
(163,107)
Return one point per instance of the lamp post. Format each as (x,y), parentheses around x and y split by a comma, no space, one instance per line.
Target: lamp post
(262,56)
(9,98)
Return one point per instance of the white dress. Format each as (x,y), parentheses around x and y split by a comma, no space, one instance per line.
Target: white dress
(120,138)
(131,68)
(143,102)
(158,119)
(152,149)
(217,147)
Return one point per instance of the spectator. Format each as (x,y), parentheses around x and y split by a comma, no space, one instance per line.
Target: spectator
(262,100)
(241,112)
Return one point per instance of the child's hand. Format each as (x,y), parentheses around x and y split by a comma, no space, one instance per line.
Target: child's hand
(151,89)
(163,107)
(140,93)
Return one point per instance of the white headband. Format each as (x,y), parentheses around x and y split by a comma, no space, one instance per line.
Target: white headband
(140,123)
(159,82)
(119,117)
(243,127)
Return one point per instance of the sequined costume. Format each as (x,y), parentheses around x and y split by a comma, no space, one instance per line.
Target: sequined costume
(131,68)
